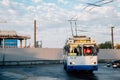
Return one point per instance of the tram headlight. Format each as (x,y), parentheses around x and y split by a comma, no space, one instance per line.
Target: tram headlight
(93,63)
(72,63)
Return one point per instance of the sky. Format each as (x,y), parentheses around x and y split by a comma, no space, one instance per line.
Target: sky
(52,16)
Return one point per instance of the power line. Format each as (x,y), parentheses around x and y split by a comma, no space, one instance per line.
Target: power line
(94,4)
(98,4)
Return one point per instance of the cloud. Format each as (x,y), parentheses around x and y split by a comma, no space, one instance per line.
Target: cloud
(53,36)
(63,1)
(11,11)
(1,11)
(79,7)
(48,12)
(83,0)
(36,1)
(5,2)
(118,14)
(117,2)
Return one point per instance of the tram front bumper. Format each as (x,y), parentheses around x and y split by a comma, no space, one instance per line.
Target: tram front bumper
(82,67)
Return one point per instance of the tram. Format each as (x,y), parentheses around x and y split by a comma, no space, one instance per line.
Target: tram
(80,54)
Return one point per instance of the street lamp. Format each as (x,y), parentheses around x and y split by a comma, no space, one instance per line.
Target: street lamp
(112,37)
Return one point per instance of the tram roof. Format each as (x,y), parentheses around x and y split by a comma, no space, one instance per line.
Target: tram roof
(79,38)
(93,43)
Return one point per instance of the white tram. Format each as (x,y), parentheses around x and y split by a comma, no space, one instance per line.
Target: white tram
(80,54)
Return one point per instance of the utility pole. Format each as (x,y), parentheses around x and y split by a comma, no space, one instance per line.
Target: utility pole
(34,33)
(112,37)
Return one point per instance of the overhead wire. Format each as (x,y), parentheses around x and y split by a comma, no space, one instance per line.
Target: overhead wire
(95,4)
(98,4)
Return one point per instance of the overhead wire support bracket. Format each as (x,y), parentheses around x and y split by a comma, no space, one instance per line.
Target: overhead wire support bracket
(71,27)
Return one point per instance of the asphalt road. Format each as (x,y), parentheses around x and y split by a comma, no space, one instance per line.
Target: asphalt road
(56,72)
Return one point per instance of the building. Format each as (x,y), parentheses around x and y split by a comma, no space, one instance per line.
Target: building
(9,39)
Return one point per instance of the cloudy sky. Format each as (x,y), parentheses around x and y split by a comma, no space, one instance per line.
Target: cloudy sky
(52,16)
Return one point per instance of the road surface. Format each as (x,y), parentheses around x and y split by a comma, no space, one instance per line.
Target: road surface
(56,72)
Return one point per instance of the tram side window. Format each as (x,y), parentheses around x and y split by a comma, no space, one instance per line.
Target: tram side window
(87,51)
(95,50)
(66,49)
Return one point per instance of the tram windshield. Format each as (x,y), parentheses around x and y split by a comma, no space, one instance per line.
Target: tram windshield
(85,50)
(75,51)
(78,51)
(89,50)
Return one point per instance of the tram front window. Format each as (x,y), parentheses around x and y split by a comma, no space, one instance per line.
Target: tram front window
(78,50)
(88,51)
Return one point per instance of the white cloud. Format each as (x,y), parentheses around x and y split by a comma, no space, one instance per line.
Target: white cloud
(83,0)
(118,14)
(96,13)
(30,8)
(11,11)
(63,1)
(117,2)
(5,2)
(48,11)
(79,7)
(1,11)
(36,1)
(53,37)
(102,10)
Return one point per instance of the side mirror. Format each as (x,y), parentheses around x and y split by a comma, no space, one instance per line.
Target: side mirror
(97,49)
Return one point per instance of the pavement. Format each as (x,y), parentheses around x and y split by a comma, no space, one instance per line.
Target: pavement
(56,72)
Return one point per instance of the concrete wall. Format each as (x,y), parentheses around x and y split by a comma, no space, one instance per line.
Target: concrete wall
(109,54)
(18,54)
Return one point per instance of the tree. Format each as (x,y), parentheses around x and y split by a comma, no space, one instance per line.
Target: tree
(117,46)
(106,45)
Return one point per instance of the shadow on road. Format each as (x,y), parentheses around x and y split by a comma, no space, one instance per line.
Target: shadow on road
(82,75)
